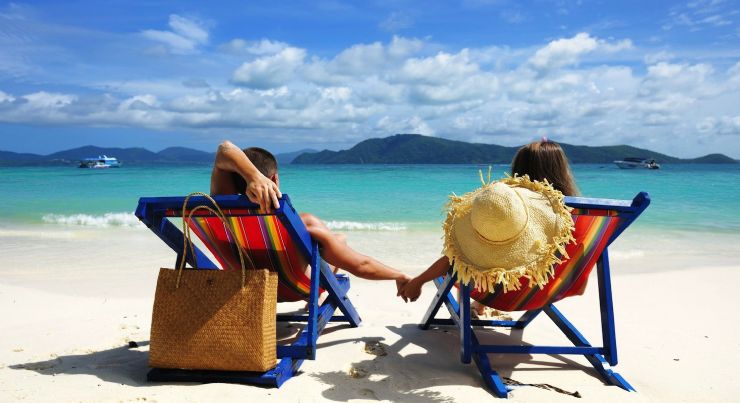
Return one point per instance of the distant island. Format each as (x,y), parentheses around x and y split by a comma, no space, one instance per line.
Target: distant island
(418,149)
(396,149)
(135,155)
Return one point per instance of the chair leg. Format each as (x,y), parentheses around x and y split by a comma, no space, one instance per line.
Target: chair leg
(596,360)
(330,283)
(466,328)
(525,319)
(444,285)
(490,377)
(313,304)
(608,329)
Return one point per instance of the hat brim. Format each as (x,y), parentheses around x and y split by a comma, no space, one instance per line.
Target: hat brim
(530,255)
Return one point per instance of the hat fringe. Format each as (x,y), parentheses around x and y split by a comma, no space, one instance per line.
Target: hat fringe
(538,272)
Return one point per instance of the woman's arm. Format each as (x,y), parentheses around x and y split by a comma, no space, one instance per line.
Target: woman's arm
(231,159)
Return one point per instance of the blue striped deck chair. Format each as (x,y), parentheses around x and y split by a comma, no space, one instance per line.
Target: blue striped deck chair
(598,222)
(278,241)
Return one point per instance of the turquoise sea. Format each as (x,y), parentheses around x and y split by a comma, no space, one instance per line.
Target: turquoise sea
(702,198)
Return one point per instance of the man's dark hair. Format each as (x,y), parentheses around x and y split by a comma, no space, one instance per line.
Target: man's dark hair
(263,160)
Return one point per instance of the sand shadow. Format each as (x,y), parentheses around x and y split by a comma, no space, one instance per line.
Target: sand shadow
(406,377)
(123,365)
(129,365)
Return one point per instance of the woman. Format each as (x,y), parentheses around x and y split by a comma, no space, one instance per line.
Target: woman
(541,161)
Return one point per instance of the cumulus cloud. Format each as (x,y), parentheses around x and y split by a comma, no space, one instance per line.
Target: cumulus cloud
(184,36)
(269,71)
(568,51)
(440,68)
(409,85)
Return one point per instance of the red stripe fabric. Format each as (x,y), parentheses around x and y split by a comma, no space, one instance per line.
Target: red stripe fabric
(265,240)
(593,229)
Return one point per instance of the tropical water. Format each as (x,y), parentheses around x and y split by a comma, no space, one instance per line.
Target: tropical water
(685,198)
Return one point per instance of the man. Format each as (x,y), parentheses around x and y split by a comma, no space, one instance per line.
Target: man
(253,172)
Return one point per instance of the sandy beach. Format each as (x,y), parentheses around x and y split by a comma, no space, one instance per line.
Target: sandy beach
(73,298)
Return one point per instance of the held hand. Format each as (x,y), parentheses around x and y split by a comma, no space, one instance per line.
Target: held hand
(411,290)
(400,284)
(263,191)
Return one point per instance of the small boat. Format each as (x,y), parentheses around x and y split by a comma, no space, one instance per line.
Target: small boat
(632,163)
(101,162)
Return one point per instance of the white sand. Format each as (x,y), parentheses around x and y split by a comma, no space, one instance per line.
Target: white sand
(71,299)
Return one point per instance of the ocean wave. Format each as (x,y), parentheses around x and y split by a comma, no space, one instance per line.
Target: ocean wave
(628,254)
(100,221)
(366,226)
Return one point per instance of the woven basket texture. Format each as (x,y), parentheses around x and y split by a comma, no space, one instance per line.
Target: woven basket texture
(211,322)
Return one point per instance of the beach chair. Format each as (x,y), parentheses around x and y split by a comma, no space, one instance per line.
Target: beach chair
(278,241)
(598,222)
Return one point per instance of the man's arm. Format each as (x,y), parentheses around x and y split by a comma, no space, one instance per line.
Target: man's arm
(339,254)
(231,159)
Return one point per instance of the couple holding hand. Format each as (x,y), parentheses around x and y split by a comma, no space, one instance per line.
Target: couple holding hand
(494,235)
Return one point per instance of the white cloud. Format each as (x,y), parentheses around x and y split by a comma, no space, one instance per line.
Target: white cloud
(725,125)
(48,100)
(702,14)
(568,51)
(141,102)
(188,29)
(414,124)
(184,37)
(4,97)
(259,48)
(490,94)
(441,68)
(661,56)
(270,71)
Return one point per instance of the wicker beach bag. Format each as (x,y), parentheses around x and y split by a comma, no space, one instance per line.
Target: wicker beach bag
(214,319)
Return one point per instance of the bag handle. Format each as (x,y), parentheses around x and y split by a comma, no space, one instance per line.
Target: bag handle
(188,242)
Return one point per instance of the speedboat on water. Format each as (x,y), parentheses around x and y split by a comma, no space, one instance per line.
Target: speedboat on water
(102,161)
(631,163)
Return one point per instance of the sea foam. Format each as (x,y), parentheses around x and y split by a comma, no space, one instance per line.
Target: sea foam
(366,226)
(130,220)
(100,221)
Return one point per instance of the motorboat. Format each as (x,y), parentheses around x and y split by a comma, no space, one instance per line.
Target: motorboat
(634,162)
(100,162)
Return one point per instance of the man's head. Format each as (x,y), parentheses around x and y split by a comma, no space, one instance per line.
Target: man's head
(264,161)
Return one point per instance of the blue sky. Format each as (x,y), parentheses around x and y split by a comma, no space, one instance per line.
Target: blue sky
(288,75)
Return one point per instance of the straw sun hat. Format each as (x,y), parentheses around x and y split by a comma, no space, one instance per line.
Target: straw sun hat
(505,230)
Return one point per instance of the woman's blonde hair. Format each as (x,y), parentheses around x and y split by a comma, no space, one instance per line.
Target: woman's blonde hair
(545,160)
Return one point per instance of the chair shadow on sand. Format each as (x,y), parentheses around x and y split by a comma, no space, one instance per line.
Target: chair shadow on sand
(384,377)
(129,365)
(123,365)
(401,378)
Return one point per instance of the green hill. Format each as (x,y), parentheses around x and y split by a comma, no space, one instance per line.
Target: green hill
(418,149)
(398,149)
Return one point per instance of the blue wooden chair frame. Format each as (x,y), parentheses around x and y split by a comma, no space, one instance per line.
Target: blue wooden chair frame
(152,211)
(459,310)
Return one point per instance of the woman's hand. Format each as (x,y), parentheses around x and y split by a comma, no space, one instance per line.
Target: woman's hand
(263,191)
(400,283)
(411,290)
